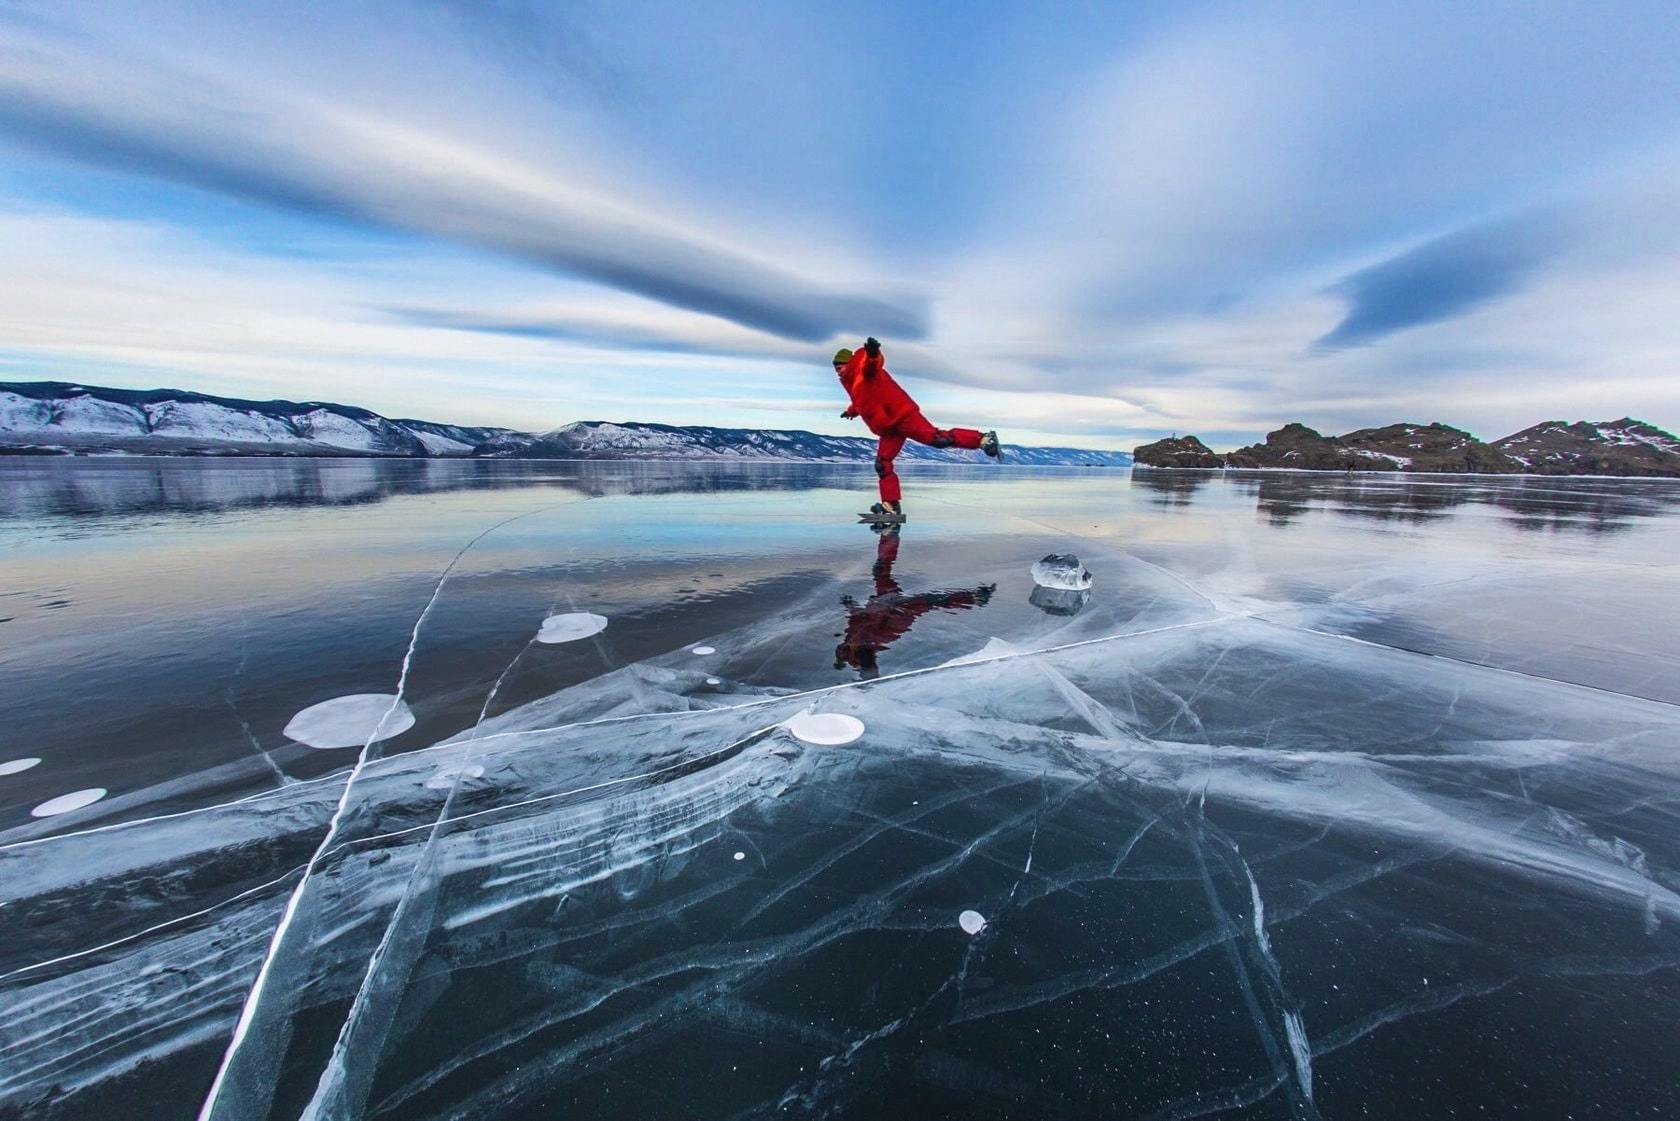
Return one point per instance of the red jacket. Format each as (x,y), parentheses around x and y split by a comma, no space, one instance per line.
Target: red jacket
(876,397)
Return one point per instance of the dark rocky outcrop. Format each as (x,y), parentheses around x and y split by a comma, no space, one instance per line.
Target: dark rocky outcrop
(1295,445)
(1611,447)
(1426,447)
(1608,447)
(1176,451)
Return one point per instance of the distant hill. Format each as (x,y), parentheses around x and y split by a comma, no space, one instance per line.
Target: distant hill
(52,417)
(594,439)
(1613,447)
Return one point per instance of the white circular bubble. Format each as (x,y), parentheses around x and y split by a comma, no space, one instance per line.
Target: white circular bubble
(713,681)
(352,721)
(828,728)
(571,627)
(447,776)
(64,803)
(740,856)
(972,922)
(704,650)
(16,766)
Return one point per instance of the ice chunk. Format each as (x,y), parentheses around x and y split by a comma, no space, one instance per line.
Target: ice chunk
(827,728)
(1061,570)
(13,766)
(972,922)
(64,803)
(351,721)
(571,627)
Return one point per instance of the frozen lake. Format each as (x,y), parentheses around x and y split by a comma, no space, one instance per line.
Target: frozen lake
(436,789)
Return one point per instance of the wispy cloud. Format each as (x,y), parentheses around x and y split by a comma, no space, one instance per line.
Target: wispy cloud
(98,105)
(1443,278)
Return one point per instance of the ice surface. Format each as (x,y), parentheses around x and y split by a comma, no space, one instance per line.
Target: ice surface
(1291,818)
(449,777)
(570,627)
(351,721)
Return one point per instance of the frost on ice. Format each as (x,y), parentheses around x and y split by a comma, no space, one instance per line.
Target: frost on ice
(571,627)
(1186,827)
(351,721)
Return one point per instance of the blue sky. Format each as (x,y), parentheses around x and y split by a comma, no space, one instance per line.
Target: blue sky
(1079,223)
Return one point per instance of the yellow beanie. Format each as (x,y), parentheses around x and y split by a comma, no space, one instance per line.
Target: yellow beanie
(843,355)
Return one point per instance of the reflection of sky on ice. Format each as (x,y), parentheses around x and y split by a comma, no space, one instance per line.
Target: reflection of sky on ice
(1324,812)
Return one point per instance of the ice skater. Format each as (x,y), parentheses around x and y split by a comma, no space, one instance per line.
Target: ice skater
(892,415)
(890,613)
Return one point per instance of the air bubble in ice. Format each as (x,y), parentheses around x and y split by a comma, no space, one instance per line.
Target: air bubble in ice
(740,856)
(704,650)
(972,922)
(827,728)
(1061,570)
(64,803)
(351,721)
(13,766)
(714,681)
(447,776)
(571,627)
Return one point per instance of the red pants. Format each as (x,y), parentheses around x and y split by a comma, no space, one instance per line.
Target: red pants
(915,427)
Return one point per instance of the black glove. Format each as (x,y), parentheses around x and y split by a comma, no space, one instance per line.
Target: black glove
(872,347)
(984,593)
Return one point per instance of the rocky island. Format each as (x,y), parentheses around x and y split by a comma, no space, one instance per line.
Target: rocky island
(1624,447)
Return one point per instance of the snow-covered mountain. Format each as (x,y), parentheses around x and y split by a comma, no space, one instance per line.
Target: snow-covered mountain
(61,417)
(594,439)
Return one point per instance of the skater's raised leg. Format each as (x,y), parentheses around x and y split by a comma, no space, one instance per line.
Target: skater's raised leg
(921,430)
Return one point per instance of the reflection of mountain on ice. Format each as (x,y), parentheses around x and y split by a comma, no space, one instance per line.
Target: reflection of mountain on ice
(521,909)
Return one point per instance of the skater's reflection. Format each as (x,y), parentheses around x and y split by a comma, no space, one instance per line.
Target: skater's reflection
(890,613)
